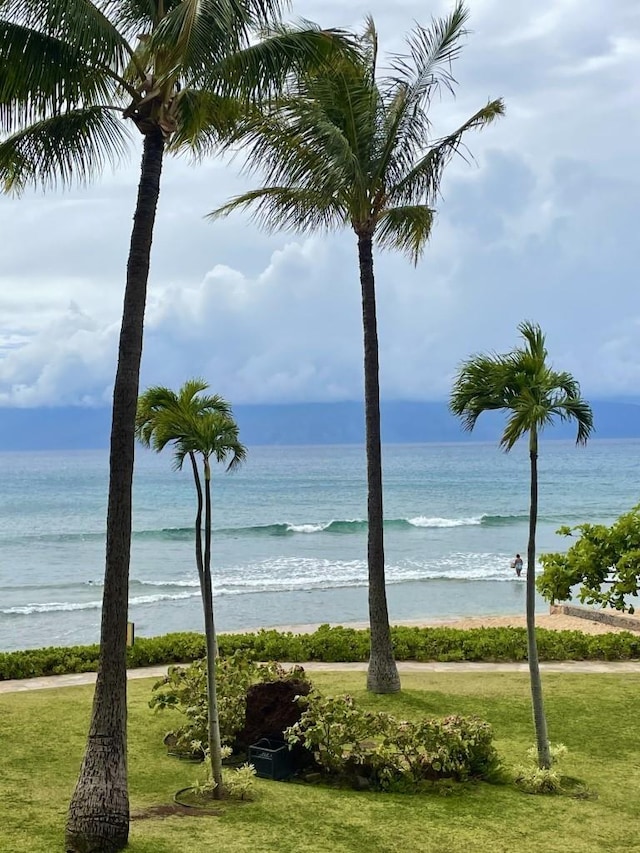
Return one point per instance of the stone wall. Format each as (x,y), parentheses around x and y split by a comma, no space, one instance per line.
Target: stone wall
(608,617)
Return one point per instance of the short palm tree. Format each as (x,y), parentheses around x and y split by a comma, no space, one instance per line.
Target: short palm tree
(346,149)
(199,427)
(74,76)
(524,385)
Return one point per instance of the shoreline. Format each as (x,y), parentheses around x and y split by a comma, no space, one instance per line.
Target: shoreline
(550,621)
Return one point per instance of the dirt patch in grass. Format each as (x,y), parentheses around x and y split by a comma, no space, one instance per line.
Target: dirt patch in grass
(171,810)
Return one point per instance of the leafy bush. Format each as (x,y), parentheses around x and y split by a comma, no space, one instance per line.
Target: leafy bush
(185,690)
(237,783)
(335,644)
(540,780)
(390,753)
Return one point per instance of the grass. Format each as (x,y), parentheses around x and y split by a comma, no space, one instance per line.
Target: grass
(42,736)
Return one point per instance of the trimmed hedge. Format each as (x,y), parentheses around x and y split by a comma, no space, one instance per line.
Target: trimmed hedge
(334,645)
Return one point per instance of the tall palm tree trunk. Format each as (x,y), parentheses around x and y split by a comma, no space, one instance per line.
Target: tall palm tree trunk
(539,719)
(215,747)
(98,819)
(382,675)
(198,527)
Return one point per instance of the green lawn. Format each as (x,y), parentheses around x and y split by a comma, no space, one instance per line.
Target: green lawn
(42,736)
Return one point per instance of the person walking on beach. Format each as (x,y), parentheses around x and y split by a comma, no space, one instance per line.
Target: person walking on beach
(517,565)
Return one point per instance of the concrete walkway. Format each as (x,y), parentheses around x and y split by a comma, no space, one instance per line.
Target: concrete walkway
(617,667)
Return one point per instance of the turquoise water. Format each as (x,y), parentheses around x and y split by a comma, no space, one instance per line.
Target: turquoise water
(289,534)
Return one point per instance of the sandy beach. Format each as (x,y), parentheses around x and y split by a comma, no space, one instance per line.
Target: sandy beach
(554,622)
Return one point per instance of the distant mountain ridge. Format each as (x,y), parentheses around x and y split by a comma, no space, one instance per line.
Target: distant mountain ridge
(68,428)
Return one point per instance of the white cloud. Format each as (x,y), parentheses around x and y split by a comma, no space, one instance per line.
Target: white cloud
(541,226)
(68,361)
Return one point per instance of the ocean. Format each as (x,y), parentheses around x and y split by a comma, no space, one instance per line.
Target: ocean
(289,539)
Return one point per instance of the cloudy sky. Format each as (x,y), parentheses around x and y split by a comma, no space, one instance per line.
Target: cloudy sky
(543,226)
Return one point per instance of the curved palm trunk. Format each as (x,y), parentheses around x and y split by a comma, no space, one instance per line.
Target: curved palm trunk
(215,753)
(198,526)
(382,675)
(539,719)
(98,819)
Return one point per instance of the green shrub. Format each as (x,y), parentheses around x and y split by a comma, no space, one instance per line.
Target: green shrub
(335,644)
(393,754)
(238,783)
(541,780)
(185,690)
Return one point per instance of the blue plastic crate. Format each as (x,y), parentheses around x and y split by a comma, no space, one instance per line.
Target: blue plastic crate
(271,758)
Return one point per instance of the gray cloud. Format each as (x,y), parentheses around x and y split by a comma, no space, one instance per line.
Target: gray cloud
(541,226)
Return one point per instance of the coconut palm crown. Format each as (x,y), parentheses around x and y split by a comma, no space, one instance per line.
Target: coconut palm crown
(74,69)
(523,384)
(346,147)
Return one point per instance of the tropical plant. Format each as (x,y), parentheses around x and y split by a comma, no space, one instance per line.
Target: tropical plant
(533,779)
(184,689)
(392,754)
(604,560)
(201,427)
(238,784)
(345,148)
(523,384)
(74,75)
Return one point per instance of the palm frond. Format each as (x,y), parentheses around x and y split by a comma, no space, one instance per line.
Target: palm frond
(264,12)
(369,44)
(64,149)
(143,16)
(286,208)
(217,435)
(534,340)
(318,143)
(408,93)
(204,121)
(519,423)
(580,411)
(521,383)
(136,17)
(405,229)
(260,71)
(422,181)
(42,75)
(565,384)
(477,388)
(299,145)
(337,142)
(194,35)
(191,421)
(571,407)
(431,52)
(81,24)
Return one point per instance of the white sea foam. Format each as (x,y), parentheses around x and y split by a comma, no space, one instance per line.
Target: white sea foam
(68,606)
(299,574)
(424,521)
(308,528)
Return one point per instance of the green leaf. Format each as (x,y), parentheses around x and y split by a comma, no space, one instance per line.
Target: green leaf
(78,23)
(43,75)
(64,149)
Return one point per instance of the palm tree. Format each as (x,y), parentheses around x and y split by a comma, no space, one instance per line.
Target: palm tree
(197,426)
(75,74)
(343,148)
(525,386)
